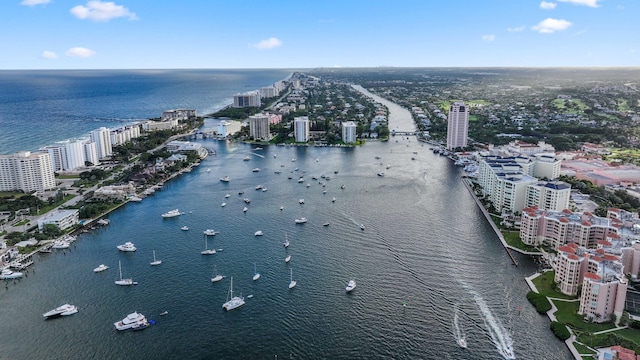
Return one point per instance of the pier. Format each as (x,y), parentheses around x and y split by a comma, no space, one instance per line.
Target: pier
(506,246)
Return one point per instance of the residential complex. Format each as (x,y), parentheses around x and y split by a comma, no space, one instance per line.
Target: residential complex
(301,128)
(63,219)
(549,195)
(178,114)
(26,171)
(259,127)
(457,125)
(102,138)
(349,132)
(248,99)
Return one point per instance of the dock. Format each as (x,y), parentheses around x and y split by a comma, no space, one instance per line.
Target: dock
(506,246)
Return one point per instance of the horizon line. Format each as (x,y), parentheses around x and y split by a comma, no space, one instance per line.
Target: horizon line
(339,67)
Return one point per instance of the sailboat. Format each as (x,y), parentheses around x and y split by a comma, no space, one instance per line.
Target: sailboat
(286,241)
(232,301)
(215,277)
(155,262)
(206,250)
(123,282)
(292,283)
(256,274)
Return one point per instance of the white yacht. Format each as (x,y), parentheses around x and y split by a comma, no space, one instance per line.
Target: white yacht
(225,179)
(210,232)
(215,277)
(245,209)
(100,268)
(256,274)
(255,169)
(155,261)
(258,233)
(288,258)
(63,310)
(8,274)
(184,228)
(171,213)
(292,283)
(123,282)
(223,204)
(462,342)
(135,199)
(232,301)
(60,244)
(333,200)
(130,321)
(206,250)
(301,220)
(127,247)
(227,196)
(351,285)
(246,158)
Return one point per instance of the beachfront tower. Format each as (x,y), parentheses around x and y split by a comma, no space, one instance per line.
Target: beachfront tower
(259,127)
(102,138)
(301,128)
(349,132)
(457,125)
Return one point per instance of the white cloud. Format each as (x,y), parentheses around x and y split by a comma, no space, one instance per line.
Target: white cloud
(269,43)
(516,29)
(549,25)
(589,3)
(548,5)
(488,38)
(97,10)
(48,55)
(80,52)
(34,2)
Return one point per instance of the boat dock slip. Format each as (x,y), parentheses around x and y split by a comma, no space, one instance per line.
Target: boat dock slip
(493,225)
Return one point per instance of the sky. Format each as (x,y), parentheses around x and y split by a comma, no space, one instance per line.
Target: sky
(167,34)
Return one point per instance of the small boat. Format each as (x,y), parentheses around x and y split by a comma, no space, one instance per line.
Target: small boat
(301,220)
(301,180)
(210,232)
(135,199)
(215,277)
(155,262)
(342,187)
(223,204)
(225,179)
(507,353)
(130,321)
(287,259)
(232,301)
(351,285)
(256,274)
(7,274)
(255,169)
(281,207)
(292,283)
(361,226)
(227,196)
(286,241)
(206,250)
(100,268)
(258,148)
(301,201)
(462,342)
(245,209)
(258,233)
(381,174)
(249,296)
(127,247)
(184,228)
(246,200)
(246,158)
(258,187)
(164,313)
(264,189)
(123,282)
(325,224)
(240,192)
(333,200)
(171,213)
(63,310)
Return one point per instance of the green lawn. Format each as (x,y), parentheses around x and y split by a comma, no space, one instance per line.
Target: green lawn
(568,314)
(513,238)
(544,284)
(582,349)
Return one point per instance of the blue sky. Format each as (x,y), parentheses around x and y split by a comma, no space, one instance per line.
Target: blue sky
(167,34)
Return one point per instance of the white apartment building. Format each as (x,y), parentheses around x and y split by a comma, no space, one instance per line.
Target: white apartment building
(63,219)
(248,99)
(259,126)
(26,171)
(548,195)
(152,125)
(349,132)
(74,155)
(457,125)
(178,114)
(301,128)
(504,182)
(91,152)
(57,155)
(546,166)
(226,128)
(268,92)
(102,138)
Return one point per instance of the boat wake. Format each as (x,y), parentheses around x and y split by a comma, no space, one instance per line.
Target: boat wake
(500,336)
(458,332)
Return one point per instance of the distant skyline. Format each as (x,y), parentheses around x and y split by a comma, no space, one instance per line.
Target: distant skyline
(137,34)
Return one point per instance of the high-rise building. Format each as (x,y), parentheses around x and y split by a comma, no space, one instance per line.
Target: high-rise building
(301,128)
(248,99)
(26,171)
(349,132)
(259,127)
(91,152)
(457,125)
(548,195)
(102,138)
(74,154)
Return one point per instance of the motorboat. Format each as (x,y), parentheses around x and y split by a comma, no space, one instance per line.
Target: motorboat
(63,310)
(232,301)
(256,274)
(286,242)
(258,233)
(246,200)
(507,353)
(225,179)
(123,282)
(223,204)
(292,283)
(155,261)
(381,174)
(325,224)
(130,321)
(255,169)
(301,180)
(246,158)
(351,285)
(215,277)
(361,226)
(264,189)
(462,342)
(7,274)
(287,259)
(184,228)
(164,313)
(210,232)
(333,199)
(308,185)
(245,209)
(60,244)
(100,268)
(301,201)
(135,199)
(227,196)
(301,220)
(171,213)
(127,247)
(281,207)
(258,187)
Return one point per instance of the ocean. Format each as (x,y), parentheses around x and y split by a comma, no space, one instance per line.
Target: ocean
(427,265)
